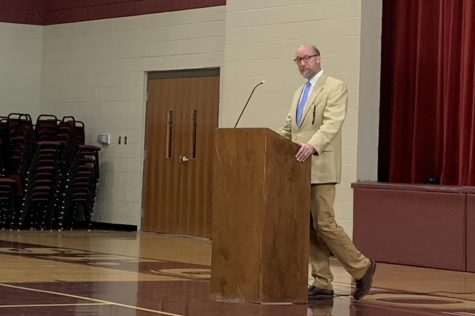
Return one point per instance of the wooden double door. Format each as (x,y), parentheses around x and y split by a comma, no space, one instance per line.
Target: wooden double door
(182,115)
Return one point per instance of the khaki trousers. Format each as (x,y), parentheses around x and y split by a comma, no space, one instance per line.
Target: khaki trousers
(327,237)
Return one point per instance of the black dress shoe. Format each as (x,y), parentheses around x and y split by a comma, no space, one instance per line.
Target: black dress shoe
(364,284)
(315,293)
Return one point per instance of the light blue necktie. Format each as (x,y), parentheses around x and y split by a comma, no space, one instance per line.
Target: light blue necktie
(302,102)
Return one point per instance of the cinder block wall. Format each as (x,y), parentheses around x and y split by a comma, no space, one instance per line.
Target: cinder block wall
(20,68)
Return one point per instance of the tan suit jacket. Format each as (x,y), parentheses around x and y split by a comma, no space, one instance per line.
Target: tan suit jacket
(321,127)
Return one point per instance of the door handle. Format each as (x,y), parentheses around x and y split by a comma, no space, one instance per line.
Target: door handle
(183,158)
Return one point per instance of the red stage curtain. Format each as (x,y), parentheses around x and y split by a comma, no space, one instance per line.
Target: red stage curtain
(427,123)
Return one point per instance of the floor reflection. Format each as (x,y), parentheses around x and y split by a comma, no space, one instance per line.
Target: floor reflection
(320,308)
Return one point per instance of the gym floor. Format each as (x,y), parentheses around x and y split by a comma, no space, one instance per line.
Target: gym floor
(135,273)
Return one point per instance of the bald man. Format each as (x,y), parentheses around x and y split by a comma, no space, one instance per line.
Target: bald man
(314,121)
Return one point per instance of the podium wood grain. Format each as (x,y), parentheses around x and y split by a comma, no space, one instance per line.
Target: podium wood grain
(260,229)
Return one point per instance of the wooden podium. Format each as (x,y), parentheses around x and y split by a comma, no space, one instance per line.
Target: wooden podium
(260,227)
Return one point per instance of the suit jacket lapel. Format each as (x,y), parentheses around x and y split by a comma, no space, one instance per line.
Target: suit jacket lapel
(314,95)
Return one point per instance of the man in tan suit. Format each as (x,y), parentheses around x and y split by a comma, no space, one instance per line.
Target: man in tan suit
(315,119)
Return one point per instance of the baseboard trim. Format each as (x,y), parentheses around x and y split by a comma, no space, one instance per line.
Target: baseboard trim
(107,226)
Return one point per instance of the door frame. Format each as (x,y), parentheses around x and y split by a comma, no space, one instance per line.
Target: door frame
(167,74)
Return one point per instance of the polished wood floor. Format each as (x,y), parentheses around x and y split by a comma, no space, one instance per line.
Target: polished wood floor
(129,273)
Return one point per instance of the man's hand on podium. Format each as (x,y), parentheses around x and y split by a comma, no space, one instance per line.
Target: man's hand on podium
(305,151)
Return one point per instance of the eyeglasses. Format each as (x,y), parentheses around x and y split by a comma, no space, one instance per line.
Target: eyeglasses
(305,59)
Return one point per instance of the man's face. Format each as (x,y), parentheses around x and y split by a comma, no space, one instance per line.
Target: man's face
(307,61)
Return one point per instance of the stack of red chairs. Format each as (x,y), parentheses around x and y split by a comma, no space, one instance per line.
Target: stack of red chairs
(40,199)
(21,148)
(80,131)
(48,175)
(80,187)
(7,185)
(67,135)
(80,179)
(46,128)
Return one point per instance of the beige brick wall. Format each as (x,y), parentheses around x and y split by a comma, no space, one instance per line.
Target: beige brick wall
(369,94)
(20,68)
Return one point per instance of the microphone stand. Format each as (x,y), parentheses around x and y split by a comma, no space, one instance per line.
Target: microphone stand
(247,102)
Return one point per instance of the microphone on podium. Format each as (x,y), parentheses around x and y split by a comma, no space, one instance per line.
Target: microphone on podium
(247,102)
